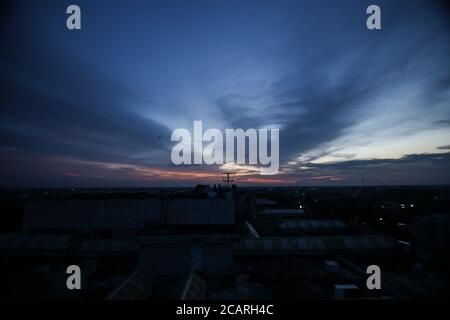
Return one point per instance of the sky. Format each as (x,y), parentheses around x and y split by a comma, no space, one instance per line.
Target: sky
(96,107)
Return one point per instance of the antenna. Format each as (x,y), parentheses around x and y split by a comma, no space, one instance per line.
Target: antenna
(228,178)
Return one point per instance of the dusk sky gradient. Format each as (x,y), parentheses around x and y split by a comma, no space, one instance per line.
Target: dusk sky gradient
(86,108)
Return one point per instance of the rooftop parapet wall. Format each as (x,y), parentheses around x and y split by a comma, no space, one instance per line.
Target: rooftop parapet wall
(126,213)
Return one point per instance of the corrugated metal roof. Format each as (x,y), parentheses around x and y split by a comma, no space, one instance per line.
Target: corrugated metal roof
(303,244)
(61,243)
(313,224)
(106,245)
(285,212)
(25,242)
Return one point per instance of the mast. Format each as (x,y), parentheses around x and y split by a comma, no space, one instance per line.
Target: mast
(228,178)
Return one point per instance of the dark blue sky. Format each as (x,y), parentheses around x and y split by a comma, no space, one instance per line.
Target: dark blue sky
(85,108)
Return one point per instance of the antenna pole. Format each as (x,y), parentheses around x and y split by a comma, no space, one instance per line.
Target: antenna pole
(228,179)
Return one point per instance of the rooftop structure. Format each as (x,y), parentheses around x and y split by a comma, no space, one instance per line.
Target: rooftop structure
(180,254)
(125,216)
(314,245)
(63,245)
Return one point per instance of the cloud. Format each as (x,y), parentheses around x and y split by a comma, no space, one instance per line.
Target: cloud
(389,91)
(423,168)
(75,111)
(444,122)
(356,91)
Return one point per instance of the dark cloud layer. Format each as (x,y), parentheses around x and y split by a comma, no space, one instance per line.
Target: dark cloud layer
(51,107)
